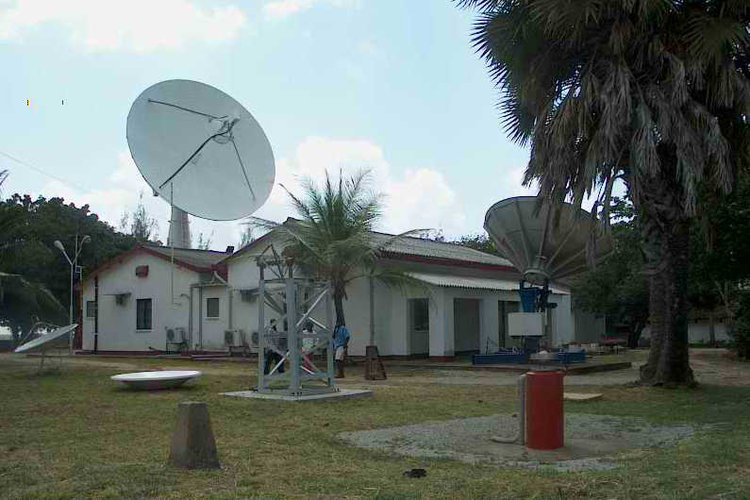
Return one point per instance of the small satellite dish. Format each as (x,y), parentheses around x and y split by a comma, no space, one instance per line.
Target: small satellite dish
(544,245)
(56,338)
(200,150)
(156,380)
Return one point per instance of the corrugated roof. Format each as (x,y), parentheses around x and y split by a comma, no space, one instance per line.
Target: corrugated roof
(450,280)
(417,247)
(438,249)
(197,258)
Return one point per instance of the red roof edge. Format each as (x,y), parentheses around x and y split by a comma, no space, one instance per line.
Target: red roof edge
(220,268)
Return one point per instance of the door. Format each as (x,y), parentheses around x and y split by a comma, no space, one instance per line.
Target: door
(419,327)
(466,325)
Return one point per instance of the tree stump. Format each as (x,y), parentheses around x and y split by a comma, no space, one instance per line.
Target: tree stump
(374,369)
(193,444)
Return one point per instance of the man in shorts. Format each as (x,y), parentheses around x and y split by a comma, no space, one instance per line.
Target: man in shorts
(340,342)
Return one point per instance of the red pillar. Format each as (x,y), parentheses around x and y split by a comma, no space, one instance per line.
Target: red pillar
(545,421)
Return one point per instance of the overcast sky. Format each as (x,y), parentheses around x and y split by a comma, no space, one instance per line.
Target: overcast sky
(389,85)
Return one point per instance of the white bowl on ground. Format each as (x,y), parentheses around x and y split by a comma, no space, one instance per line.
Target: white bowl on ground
(166,379)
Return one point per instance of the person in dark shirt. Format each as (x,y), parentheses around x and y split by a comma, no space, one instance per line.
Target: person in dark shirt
(273,357)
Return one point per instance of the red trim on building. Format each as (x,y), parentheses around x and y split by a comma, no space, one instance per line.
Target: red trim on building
(221,269)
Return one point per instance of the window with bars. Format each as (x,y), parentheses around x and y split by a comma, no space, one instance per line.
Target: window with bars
(90,308)
(212,307)
(143,314)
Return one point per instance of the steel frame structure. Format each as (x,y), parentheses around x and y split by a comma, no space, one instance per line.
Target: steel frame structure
(295,301)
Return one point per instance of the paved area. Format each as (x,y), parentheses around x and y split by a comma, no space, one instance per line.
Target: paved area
(591,441)
(339,395)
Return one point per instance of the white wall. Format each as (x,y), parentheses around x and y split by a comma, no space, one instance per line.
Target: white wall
(117,323)
(391,310)
(212,329)
(699,332)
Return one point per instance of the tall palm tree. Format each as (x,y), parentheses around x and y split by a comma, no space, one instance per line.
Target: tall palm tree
(333,236)
(655,93)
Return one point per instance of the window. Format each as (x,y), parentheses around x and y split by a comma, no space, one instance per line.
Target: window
(420,314)
(91,309)
(143,314)
(212,307)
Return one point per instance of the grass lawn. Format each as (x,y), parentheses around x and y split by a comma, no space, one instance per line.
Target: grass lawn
(75,435)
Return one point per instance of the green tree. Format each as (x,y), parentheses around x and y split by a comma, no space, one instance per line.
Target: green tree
(480,242)
(139,224)
(204,242)
(653,93)
(247,237)
(617,287)
(719,269)
(27,250)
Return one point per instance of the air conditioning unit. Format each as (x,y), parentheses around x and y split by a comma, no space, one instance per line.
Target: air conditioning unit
(176,335)
(229,336)
(176,338)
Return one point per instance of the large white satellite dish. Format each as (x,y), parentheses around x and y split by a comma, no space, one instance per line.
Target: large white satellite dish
(57,338)
(545,243)
(199,149)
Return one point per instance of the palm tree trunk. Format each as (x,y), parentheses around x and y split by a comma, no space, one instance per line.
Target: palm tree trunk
(668,361)
(338,304)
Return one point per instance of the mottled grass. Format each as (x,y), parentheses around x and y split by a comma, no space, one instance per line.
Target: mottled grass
(75,435)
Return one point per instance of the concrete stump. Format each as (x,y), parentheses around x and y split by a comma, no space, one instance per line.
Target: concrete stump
(193,444)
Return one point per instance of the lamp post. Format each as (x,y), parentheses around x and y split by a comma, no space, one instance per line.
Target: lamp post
(78,248)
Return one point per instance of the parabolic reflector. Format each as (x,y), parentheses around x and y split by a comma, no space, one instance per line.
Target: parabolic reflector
(200,150)
(545,244)
(58,338)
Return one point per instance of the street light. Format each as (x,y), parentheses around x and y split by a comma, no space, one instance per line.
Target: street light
(79,247)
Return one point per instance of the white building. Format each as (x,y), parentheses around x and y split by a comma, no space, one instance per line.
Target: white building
(461,307)
(131,302)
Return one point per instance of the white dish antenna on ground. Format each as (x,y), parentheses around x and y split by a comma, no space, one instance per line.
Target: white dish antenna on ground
(200,150)
(156,380)
(545,244)
(58,338)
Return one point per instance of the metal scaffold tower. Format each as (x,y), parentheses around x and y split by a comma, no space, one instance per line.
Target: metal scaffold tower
(302,334)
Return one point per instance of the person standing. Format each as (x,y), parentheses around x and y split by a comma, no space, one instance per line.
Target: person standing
(340,343)
(273,357)
(308,345)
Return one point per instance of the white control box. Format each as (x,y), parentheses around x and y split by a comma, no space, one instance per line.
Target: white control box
(523,324)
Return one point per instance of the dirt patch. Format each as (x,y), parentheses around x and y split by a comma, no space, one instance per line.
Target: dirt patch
(591,442)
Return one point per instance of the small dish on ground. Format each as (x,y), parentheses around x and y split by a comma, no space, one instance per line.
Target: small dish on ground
(151,381)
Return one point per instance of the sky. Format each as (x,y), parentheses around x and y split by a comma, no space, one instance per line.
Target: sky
(392,86)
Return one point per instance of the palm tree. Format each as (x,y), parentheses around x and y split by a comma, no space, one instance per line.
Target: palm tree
(654,93)
(332,238)
(23,302)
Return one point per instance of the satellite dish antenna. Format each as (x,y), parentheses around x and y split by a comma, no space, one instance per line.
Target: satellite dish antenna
(544,243)
(547,243)
(56,338)
(203,152)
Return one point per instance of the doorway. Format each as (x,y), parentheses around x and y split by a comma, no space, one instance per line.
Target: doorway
(419,327)
(466,325)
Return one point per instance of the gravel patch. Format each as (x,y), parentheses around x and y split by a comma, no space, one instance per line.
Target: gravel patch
(591,441)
